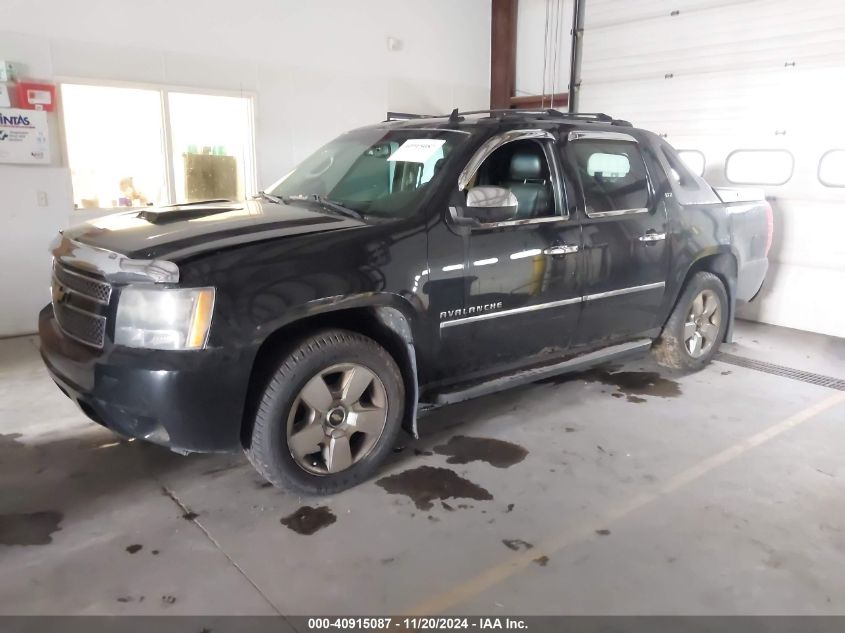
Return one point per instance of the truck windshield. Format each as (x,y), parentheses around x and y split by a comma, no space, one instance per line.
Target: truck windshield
(373,172)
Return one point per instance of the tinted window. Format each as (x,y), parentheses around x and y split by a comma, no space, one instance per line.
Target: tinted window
(523,168)
(759,166)
(832,168)
(612,174)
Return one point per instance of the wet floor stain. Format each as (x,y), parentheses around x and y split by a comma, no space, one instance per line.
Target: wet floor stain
(426,484)
(569,429)
(154,552)
(420,453)
(168,599)
(35,528)
(634,383)
(261,485)
(190,516)
(308,520)
(510,507)
(447,507)
(133,549)
(463,450)
(727,373)
(542,561)
(603,532)
(517,544)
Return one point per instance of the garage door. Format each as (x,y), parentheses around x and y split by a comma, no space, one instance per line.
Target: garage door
(755,88)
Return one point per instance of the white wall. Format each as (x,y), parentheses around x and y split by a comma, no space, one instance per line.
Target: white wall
(531,38)
(318,68)
(750,74)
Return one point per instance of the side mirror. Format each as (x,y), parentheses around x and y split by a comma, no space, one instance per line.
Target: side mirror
(491,204)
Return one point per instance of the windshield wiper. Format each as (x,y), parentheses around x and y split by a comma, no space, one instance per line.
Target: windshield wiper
(325,202)
(271,197)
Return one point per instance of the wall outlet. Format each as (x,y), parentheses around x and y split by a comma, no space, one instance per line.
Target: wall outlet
(41,197)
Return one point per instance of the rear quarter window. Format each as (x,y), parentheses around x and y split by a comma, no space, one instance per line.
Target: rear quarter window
(759,166)
(694,160)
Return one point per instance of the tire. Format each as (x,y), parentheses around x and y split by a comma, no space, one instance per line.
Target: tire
(298,436)
(676,348)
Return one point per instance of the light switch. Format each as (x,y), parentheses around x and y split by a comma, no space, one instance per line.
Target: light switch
(42,198)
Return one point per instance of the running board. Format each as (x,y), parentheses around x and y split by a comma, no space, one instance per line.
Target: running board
(526,376)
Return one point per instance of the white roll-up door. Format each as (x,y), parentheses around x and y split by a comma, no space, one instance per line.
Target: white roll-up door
(721,77)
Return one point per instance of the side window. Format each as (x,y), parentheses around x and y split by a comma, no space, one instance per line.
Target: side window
(832,168)
(759,166)
(523,168)
(694,160)
(612,173)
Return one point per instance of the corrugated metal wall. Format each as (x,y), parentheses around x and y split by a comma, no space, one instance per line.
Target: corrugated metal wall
(719,76)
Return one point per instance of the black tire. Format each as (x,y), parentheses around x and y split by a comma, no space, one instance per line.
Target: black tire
(670,350)
(268,450)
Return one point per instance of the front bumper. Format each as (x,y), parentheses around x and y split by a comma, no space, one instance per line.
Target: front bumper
(189,401)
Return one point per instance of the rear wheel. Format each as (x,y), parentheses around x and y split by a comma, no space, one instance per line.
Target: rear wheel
(697,325)
(329,414)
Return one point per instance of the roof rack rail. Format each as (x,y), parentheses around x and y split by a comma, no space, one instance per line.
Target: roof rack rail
(456,115)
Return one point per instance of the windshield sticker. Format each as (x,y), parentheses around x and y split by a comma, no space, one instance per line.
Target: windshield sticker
(417,150)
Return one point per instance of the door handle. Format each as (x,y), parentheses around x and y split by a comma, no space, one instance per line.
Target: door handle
(652,237)
(561,249)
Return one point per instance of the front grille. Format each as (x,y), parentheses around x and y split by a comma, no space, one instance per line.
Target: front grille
(87,286)
(79,304)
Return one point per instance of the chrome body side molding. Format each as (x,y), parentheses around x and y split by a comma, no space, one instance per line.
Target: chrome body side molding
(552,304)
(113,267)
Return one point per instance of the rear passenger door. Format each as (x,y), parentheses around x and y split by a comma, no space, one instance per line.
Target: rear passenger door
(625,258)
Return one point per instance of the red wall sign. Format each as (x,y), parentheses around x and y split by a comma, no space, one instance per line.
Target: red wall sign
(36,95)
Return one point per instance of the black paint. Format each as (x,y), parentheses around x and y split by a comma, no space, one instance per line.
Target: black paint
(308,520)
(463,450)
(35,528)
(427,483)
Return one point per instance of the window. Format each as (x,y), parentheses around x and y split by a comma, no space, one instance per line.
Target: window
(612,174)
(521,166)
(374,172)
(693,159)
(832,168)
(759,167)
(149,146)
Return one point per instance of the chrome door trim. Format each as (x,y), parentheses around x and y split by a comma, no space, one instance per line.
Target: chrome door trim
(552,304)
(562,249)
(600,136)
(624,291)
(615,212)
(652,237)
(495,225)
(493,315)
(491,145)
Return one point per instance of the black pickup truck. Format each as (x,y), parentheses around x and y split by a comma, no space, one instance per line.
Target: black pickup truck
(403,266)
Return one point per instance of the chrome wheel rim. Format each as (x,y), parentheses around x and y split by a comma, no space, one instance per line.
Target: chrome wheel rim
(702,326)
(336,419)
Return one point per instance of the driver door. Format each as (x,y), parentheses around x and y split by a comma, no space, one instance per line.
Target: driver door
(521,273)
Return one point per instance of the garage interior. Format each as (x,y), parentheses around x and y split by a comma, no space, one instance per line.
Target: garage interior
(624,490)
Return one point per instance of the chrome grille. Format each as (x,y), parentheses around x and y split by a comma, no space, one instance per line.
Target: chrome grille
(79,304)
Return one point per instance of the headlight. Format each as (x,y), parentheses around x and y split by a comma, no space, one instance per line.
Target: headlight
(175,318)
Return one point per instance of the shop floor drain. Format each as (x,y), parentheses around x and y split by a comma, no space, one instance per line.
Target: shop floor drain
(780,370)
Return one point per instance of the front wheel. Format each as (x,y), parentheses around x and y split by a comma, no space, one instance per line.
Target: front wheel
(696,327)
(329,415)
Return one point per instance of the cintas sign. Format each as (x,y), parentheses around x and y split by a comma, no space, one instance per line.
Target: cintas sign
(24,137)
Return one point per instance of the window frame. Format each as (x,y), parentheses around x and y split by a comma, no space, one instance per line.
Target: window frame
(585,135)
(819,170)
(760,184)
(164,90)
(548,141)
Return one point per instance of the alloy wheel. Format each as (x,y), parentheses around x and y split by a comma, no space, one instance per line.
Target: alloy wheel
(702,325)
(337,419)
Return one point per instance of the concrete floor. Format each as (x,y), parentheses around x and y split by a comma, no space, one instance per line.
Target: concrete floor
(714,493)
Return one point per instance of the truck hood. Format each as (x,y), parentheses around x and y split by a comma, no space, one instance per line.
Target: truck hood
(178,232)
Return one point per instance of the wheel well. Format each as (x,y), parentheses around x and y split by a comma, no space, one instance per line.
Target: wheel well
(280,342)
(724,266)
